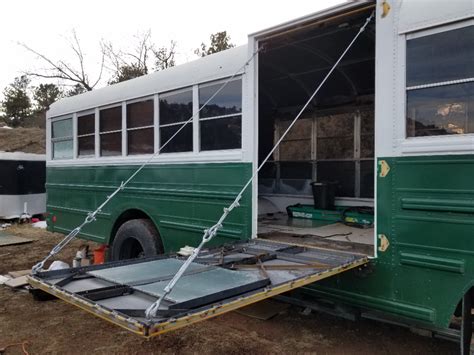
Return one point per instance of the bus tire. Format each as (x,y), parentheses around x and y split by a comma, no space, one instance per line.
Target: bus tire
(136,238)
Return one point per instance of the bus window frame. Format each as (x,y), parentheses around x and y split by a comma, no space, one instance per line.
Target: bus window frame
(203,119)
(81,114)
(194,155)
(151,98)
(121,130)
(163,95)
(62,139)
(426,145)
(445,83)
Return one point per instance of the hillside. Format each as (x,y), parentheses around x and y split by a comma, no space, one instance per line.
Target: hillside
(27,140)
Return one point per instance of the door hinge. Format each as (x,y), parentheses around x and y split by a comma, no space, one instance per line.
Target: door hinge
(384,168)
(385,8)
(383,242)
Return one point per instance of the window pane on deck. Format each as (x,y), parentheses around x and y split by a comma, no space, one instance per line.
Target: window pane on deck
(140,141)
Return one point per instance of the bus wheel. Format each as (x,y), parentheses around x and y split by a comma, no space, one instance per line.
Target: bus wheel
(136,238)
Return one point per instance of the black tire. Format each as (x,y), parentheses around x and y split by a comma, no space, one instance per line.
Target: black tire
(136,238)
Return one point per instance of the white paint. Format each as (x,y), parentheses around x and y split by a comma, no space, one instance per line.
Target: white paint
(21,156)
(390,98)
(216,156)
(422,14)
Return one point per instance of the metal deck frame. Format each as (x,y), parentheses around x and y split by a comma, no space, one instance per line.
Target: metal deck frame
(178,318)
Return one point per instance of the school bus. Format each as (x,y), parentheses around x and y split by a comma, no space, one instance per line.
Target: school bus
(393,127)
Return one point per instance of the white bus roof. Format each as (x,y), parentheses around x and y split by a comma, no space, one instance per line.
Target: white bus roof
(211,67)
(343,6)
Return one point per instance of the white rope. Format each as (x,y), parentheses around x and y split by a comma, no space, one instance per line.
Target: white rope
(91,216)
(212,231)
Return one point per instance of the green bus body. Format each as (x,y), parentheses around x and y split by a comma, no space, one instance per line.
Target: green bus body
(424,210)
(181,200)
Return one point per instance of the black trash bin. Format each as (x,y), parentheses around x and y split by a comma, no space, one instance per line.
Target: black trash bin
(324,194)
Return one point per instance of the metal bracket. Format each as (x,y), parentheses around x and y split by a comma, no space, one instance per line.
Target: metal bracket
(384,168)
(384,243)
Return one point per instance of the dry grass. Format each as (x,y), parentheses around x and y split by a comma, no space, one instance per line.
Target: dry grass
(27,140)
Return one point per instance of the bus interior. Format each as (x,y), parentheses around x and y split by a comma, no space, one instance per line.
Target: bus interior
(332,143)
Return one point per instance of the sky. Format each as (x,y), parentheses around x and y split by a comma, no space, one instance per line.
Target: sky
(47,26)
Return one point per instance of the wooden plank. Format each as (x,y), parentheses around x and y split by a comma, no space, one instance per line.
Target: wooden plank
(6,239)
(17,282)
(19,273)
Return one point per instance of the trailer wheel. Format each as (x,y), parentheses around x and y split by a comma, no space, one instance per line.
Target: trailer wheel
(137,238)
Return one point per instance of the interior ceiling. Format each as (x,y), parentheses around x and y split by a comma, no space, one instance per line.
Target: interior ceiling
(293,64)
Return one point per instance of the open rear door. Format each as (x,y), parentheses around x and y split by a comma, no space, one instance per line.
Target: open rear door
(220,280)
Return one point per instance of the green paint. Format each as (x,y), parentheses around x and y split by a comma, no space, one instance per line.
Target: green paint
(181,199)
(424,207)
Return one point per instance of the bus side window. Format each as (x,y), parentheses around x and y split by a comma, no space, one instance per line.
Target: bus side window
(176,108)
(220,120)
(61,139)
(85,134)
(140,134)
(440,83)
(111,131)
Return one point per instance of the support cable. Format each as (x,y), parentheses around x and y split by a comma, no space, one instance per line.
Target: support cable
(212,231)
(91,216)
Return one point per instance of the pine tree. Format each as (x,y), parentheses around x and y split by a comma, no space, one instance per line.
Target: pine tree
(16,104)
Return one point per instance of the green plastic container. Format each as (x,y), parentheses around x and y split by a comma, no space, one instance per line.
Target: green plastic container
(337,215)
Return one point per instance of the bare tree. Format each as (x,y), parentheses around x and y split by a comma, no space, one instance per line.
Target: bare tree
(164,56)
(127,65)
(60,69)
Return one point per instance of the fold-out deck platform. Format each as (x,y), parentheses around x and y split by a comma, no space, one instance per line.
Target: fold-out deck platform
(219,281)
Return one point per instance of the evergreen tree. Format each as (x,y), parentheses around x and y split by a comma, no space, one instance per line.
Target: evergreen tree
(16,105)
(44,95)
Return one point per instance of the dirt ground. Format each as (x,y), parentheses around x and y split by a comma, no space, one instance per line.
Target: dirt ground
(55,327)
(27,140)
